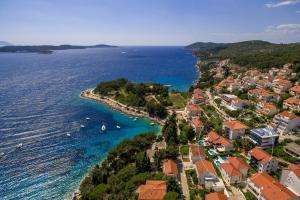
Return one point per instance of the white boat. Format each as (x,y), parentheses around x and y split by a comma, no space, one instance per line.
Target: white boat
(123,52)
(19,145)
(87,118)
(103,127)
(118,126)
(68,134)
(152,124)
(82,126)
(2,154)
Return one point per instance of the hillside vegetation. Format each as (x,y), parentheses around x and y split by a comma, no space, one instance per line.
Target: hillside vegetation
(254,53)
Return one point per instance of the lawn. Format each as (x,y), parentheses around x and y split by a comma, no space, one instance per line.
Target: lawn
(178,100)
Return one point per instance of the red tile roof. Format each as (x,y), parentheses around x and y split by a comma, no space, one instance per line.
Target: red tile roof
(204,166)
(197,150)
(230,169)
(235,125)
(212,136)
(295,169)
(194,108)
(170,167)
(153,190)
(287,114)
(270,188)
(197,123)
(292,100)
(260,154)
(260,92)
(296,88)
(237,163)
(216,196)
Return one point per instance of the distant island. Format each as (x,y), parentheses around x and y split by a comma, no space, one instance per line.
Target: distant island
(47,48)
(260,54)
(4,43)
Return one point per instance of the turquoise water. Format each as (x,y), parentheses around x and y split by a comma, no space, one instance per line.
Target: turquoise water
(40,107)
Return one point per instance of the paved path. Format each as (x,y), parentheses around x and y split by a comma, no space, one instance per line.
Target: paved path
(237,194)
(183,181)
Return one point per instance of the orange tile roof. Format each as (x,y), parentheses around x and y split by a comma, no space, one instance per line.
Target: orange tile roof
(282,82)
(216,196)
(235,125)
(153,190)
(280,77)
(197,123)
(230,169)
(197,150)
(194,108)
(204,166)
(292,100)
(287,114)
(296,88)
(225,142)
(295,169)
(260,92)
(212,136)
(270,188)
(268,105)
(260,154)
(170,167)
(237,163)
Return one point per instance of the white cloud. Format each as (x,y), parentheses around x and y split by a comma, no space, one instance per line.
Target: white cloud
(298,11)
(284,28)
(281,3)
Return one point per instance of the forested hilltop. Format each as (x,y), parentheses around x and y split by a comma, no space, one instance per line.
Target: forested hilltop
(256,53)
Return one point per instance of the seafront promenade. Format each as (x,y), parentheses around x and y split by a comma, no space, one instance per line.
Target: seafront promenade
(89,94)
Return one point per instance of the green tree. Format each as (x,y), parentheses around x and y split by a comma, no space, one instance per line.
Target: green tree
(142,162)
(171,196)
(172,185)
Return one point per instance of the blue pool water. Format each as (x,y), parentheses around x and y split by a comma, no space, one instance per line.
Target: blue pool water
(213,153)
(40,105)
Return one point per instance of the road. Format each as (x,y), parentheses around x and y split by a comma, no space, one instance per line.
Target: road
(221,112)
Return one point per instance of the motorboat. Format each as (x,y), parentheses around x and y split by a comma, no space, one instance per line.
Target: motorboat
(82,126)
(19,145)
(103,128)
(118,126)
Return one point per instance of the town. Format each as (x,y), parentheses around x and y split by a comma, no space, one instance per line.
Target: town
(238,138)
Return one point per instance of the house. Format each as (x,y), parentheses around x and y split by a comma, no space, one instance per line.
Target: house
(198,96)
(262,161)
(170,168)
(266,108)
(208,177)
(281,85)
(196,153)
(292,103)
(293,149)
(234,129)
(265,187)
(216,196)
(234,170)
(262,94)
(285,122)
(197,125)
(290,178)
(232,102)
(264,137)
(263,84)
(295,90)
(156,146)
(192,111)
(220,143)
(152,190)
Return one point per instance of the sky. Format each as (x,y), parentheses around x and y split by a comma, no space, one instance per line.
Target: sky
(148,22)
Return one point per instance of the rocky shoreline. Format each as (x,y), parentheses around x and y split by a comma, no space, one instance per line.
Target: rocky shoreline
(89,94)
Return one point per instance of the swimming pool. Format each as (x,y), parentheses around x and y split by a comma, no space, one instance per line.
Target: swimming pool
(213,153)
(217,163)
(202,142)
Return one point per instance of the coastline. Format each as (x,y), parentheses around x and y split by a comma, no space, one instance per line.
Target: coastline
(89,94)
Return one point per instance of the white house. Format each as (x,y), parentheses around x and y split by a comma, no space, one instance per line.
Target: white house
(262,161)
(234,129)
(285,122)
(290,177)
(196,153)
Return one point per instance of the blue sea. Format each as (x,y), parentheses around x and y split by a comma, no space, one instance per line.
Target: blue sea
(40,108)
